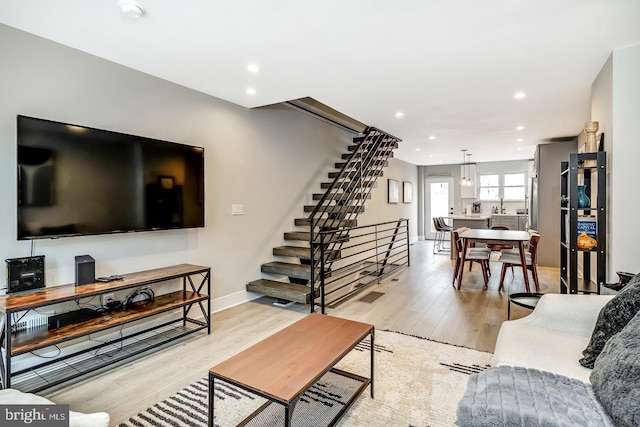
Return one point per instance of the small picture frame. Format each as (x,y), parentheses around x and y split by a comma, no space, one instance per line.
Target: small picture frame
(407,192)
(393,191)
(166,182)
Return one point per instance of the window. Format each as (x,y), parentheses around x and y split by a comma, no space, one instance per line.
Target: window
(489,187)
(513,186)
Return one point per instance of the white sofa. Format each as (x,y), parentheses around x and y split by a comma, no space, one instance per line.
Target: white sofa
(553,336)
(76,419)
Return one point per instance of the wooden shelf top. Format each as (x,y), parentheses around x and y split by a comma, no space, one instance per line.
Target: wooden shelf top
(57,294)
(23,342)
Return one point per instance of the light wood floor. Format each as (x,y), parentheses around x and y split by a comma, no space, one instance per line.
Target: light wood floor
(419,301)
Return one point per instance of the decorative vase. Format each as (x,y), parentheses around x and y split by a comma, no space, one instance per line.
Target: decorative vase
(583,199)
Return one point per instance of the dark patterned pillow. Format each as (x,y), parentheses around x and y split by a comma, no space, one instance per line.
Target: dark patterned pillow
(612,318)
(616,376)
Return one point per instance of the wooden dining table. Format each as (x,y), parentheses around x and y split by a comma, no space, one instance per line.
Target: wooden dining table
(500,237)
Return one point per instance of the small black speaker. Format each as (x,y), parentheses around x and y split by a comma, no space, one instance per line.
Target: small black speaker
(85,270)
(25,274)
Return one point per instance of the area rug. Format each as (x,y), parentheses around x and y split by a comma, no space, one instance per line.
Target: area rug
(417,382)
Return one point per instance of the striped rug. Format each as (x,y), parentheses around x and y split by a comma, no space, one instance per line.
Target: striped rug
(418,382)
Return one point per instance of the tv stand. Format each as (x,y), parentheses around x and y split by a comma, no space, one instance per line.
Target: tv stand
(101,354)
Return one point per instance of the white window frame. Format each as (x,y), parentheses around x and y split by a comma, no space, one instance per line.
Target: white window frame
(501,185)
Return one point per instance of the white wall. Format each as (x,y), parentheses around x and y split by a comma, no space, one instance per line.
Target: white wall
(625,140)
(270,160)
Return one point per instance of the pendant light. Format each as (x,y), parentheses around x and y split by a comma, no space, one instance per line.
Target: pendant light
(463,180)
(469,180)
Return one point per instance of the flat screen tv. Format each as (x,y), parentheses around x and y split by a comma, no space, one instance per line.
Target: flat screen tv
(75,181)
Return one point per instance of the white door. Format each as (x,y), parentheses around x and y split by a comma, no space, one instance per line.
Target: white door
(438,201)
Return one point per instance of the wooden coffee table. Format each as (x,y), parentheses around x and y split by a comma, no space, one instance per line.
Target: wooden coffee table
(285,365)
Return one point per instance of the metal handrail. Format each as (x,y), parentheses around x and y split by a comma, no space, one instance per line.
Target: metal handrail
(388,251)
(378,145)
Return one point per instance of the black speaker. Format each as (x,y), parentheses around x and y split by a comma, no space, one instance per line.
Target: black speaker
(85,270)
(25,274)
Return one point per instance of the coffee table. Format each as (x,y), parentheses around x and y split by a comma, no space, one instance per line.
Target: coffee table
(285,365)
(523,299)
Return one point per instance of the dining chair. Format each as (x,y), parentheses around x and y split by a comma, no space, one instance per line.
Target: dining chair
(513,259)
(479,255)
(499,247)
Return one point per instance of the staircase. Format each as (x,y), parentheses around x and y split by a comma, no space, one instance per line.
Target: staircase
(337,208)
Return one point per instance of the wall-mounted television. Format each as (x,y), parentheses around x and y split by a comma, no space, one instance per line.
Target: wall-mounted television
(75,181)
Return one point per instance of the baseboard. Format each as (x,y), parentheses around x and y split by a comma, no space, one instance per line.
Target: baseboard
(232,300)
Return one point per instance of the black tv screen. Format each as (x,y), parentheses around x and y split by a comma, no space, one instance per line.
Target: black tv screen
(75,180)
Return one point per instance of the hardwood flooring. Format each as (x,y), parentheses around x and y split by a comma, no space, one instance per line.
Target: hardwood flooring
(418,301)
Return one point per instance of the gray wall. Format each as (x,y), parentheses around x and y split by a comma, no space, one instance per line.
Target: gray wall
(549,169)
(270,160)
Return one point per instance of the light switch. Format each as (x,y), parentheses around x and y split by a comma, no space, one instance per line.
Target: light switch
(237,210)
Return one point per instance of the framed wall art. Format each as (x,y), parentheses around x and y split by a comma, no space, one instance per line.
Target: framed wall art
(407,192)
(394,191)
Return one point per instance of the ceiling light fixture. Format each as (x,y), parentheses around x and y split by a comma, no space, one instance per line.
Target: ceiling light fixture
(469,180)
(432,137)
(464,181)
(251,91)
(520,95)
(399,114)
(253,68)
(131,9)
(520,128)
(519,140)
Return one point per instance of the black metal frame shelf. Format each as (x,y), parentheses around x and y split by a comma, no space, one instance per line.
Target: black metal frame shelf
(73,363)
(576,278)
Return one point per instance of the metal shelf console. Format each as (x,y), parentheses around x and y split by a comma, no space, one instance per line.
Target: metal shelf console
(76,363)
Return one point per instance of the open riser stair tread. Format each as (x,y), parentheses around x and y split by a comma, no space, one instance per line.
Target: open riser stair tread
(327,223)
(299,271)
(341,196)
(281,290)
(302,252)
(347,156)
(336,209)
(357,165)
(306,236)
(356,174)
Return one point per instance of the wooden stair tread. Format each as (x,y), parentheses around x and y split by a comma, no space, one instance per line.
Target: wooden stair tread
(305,236)
(341,195)
(336,209)
(352,185)
(282,290)
(356,174)
(356,165)
(347,156)
(326,222)
(301,252)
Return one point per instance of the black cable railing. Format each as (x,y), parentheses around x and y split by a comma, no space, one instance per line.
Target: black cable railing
(372,253)
(346,196)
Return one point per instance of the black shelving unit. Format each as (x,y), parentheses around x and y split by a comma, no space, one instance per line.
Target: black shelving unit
(575,278)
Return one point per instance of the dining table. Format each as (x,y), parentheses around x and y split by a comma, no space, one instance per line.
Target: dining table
(500,237)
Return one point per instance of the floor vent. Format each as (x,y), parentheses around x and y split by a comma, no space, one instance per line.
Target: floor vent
(371,297)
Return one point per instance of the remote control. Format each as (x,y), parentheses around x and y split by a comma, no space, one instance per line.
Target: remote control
(109,278)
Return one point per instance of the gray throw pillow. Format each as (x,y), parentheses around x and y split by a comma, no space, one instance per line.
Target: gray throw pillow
(616,376)
(612,318)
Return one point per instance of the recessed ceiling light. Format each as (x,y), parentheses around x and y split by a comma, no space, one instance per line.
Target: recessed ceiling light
(520,128)
(519,140)
(399,114)
(254,68)
(131,9)
(520,95)
(417,149)
(431,156)
(251,91)
(519,148)
(432,137)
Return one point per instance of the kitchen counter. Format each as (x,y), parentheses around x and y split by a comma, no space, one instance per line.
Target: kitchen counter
(471,217)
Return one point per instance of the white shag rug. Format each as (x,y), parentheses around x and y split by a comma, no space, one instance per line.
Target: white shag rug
(417,382)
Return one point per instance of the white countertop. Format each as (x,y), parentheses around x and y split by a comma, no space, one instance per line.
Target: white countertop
(505,214)
(479,217)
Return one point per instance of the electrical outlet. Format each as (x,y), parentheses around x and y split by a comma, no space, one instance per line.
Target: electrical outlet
(237,210)
(107,298)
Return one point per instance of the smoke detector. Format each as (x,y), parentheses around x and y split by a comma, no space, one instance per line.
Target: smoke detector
(131,9)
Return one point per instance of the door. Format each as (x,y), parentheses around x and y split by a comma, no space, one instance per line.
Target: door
(438,201)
